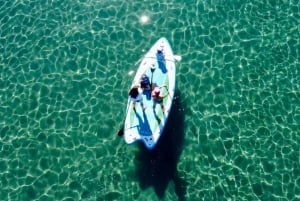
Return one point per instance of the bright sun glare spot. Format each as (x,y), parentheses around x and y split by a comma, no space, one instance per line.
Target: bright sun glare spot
(144,19)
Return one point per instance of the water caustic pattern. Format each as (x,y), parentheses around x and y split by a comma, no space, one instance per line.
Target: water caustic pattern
(233,133)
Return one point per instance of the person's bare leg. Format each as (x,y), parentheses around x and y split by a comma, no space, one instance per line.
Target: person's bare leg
(162,107)
(133,106)
(142,105)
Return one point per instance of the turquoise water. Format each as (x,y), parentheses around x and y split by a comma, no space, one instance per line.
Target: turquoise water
(233,133)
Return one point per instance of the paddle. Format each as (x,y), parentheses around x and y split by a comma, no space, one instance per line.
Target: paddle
(153,67)
(175,57)
(168,91)
(121,131)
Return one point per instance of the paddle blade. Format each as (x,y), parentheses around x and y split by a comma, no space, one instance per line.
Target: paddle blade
(121,132)
(177,57)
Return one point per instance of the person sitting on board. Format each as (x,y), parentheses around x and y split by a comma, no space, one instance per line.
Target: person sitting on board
(145,82)
(135,95)
(157,98)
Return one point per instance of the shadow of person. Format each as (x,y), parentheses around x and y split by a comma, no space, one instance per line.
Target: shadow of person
(161,62)
(158,167)
(144,126)
(147,94)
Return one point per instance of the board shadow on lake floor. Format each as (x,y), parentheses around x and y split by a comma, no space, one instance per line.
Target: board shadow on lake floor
(158,167)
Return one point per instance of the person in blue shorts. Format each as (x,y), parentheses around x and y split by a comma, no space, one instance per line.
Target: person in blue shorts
(145,82)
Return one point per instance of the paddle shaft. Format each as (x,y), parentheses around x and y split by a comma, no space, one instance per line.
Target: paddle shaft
(168,92)
(152,71)
(160,59)
(176,58)
(121,131)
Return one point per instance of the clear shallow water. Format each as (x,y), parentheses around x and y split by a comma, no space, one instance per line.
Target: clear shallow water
(234,129)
